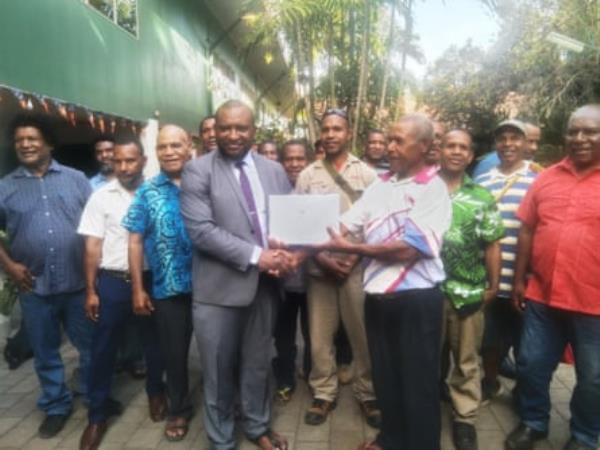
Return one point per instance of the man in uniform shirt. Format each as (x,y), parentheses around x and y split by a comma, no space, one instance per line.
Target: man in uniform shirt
(40,205)
(157,233)
(399,224)
(334,286)
(108,291)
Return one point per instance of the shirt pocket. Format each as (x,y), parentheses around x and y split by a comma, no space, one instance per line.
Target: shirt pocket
(69,205)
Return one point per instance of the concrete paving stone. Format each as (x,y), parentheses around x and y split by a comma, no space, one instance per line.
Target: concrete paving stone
(20,434)
(561,395)
(313,446)
(488,440)
(145,438)
(26,385)
(9,399)
(312,433)
(563,409)
(42,444)
(345,439)
(6,423)
(119,432)
(504,412)
(134,415)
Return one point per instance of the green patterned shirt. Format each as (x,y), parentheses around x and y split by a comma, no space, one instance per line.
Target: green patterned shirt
(476,222)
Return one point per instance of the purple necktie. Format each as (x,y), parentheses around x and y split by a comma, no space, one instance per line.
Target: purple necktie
(247,191)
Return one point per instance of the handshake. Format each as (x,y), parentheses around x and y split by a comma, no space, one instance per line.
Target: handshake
(279,261)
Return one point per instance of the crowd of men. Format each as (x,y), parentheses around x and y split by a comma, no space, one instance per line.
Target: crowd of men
(429,266)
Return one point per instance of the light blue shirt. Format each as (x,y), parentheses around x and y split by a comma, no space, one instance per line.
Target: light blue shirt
(486,163)
(98,180)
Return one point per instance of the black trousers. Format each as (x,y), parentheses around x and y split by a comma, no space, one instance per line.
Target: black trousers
(284,364)
(404,336)
(174,323)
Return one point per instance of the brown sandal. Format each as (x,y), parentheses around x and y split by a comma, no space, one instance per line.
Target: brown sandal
(176,429)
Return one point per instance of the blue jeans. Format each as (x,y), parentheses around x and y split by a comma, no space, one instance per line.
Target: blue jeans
(546,331)
(115,312)
(44,317)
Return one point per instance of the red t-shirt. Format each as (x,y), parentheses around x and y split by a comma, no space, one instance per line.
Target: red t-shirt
(563,209)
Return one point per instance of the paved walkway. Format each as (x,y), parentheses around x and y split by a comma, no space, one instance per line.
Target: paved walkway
(344,430)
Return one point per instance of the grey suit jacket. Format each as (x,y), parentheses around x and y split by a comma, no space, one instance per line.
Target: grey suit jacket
(218,222)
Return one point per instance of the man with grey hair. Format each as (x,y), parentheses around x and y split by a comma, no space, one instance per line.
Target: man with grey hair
(399,224)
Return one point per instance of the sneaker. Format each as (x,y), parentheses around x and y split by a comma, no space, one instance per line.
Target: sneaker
(464,436)
(52,425)
(318,412)
(490,391)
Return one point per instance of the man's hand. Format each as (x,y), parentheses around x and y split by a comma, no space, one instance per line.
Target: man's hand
(340,269)
(21,276)
(277,263)
(92,306)
(518,295)
(489,295)
(337,243)
(142,304)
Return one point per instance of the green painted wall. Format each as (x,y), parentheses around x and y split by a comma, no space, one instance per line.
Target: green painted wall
(66,49)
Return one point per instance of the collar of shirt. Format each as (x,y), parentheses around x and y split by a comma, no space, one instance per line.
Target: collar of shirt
(23,172)
(567,165)
(424,176)
(351,160)
(495,172)
(162,179)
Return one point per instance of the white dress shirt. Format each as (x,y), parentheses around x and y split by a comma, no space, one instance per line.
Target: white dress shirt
(260,200)
(102,218)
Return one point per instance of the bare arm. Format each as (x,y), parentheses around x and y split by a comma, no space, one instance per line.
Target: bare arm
(93,255)
(493,260)
(142,304)
(16,271)
(524,245)
(395,251)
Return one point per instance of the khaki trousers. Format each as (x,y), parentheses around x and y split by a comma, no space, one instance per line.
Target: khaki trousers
(464,335)
(329,302)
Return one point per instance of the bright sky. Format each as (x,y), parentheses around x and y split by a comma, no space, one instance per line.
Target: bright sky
(441,24)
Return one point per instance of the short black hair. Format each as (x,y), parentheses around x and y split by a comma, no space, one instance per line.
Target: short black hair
(103,138)
(371,131)
(127,138)
(212,116)
(266,142)
(44,124)
(308,151)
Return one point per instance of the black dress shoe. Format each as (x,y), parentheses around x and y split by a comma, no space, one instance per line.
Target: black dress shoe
(464,436)
(523,438)
(52,425)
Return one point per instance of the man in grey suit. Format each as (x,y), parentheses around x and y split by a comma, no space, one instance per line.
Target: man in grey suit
(224,206)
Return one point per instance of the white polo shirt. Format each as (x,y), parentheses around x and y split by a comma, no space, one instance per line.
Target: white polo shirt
(102,217)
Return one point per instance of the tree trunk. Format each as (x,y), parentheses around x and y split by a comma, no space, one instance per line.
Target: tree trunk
(300,64)
(330,67)
(363,76)
(387,63)
(407,35)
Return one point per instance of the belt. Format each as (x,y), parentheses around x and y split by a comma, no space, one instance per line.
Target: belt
(121,274)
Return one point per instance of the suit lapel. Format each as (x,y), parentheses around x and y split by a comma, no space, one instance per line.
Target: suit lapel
(227,173)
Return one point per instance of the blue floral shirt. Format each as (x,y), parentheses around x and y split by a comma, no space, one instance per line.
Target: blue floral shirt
(155,214)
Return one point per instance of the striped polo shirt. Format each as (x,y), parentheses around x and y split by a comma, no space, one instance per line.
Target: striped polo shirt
(509,191)
(415,210)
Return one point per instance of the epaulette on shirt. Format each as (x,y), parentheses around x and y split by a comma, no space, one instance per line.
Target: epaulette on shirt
(536,167)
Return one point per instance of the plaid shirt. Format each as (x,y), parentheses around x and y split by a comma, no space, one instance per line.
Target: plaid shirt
(40,216)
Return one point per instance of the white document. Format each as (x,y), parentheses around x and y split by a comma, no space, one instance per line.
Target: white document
(303,219)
